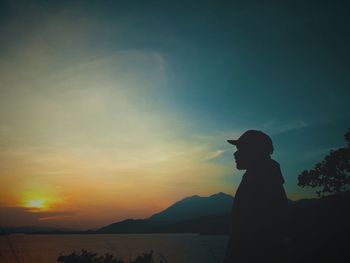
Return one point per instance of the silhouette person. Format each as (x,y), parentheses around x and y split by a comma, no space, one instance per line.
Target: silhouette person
(260,204)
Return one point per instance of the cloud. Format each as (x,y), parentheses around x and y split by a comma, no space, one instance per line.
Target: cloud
(275,127)
(214,155)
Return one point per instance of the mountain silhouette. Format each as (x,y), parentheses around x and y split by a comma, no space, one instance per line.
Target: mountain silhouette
(179,217)
(131,226)
(30,229)
(194,207)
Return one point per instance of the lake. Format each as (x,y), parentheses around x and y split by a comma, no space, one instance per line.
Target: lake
(176,248)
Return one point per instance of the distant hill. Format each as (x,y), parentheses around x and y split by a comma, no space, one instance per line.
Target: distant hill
(194,207)
(214,224)
(179,217)
(29,229)
(133,226)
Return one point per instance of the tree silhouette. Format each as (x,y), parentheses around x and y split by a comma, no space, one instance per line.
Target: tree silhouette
(332,174)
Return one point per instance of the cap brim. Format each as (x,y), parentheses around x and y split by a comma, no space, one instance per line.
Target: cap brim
(233,142)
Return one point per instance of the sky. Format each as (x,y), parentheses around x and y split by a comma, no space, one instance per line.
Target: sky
(117,109)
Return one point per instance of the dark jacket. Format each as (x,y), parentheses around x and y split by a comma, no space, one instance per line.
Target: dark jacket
(259,215)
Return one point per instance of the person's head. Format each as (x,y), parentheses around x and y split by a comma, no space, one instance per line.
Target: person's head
(252,147)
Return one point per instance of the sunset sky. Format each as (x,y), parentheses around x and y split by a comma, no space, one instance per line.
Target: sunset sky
(117,109)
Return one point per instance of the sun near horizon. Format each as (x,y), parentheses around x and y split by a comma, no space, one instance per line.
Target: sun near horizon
(39,204)
(40,200)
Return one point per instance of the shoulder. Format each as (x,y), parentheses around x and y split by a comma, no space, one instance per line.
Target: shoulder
(274,164)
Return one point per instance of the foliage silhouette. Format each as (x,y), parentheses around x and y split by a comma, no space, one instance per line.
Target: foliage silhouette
(88,257)
(332,174)
(91,257)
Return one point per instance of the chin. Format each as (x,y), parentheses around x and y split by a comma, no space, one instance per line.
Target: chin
(239,166)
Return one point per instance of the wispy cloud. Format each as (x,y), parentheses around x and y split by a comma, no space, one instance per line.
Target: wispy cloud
(271,127)
(214,155)
(277,127)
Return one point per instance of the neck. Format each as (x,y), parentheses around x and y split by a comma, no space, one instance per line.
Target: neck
(258,164)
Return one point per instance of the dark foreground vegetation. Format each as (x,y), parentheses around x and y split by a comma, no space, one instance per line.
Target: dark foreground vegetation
(319,228)
(90,257)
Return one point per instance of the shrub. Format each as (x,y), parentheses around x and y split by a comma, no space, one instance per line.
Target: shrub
(91,257)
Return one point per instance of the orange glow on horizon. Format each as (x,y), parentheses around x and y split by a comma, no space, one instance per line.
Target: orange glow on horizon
(39,199)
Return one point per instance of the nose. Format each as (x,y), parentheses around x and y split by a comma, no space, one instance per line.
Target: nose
(235,154)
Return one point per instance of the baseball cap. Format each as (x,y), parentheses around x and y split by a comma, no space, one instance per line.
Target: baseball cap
(254,139)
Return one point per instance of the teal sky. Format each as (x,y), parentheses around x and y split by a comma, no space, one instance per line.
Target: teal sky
(110,89)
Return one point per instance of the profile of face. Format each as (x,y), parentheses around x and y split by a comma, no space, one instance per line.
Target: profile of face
(247,157)
(242,158)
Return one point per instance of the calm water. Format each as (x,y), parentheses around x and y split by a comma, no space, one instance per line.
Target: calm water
(176,248)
